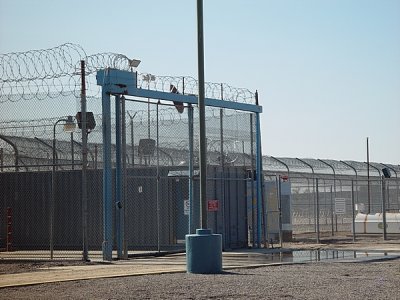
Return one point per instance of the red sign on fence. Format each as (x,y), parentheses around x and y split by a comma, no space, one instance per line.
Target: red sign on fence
(212,205)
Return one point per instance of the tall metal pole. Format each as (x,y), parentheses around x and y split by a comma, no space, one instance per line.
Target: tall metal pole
(202,123)
(85,255)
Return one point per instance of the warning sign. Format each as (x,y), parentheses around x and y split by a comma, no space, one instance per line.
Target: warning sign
(212,205)
(340,206)
(186,207)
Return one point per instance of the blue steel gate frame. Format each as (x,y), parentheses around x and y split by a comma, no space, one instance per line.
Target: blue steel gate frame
(119,83)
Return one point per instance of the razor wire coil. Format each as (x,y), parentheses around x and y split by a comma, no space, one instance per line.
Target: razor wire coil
(48,73)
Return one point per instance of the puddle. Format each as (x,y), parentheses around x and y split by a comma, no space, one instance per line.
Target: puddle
(324,255)
(300,256)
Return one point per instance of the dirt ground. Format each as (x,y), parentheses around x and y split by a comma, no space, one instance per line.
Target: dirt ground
(318,280)
(314,280)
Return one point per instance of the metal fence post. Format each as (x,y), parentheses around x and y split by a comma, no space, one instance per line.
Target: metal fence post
(353,222)
(332,225)
(280,210)
(384,207)
(317,208)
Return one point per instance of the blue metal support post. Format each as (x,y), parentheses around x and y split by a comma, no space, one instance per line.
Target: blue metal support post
(190,117)
(107,177)
(118,178)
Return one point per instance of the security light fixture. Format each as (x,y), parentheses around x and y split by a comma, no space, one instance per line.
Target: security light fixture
(69,125)
(134,63)
(386,173)
(90,121)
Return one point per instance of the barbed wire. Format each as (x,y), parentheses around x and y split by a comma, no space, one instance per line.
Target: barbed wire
(48,73)
(189,86)
(41,64)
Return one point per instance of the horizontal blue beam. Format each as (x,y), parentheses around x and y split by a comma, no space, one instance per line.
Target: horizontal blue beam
(123,82)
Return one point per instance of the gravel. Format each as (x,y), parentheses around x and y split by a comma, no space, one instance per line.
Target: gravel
(317,280)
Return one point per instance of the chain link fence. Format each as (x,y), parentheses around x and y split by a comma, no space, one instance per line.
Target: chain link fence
(41,160)
(329,207)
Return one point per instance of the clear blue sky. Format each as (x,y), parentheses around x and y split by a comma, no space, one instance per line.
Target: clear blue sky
(328,72)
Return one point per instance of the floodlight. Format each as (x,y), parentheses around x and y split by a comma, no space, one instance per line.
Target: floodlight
(90,121)
(386,173)
(134,63)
